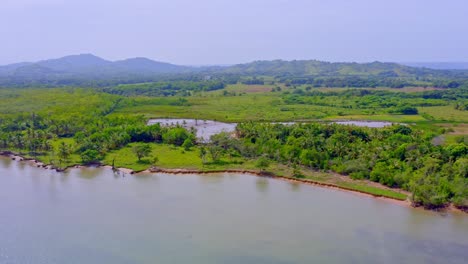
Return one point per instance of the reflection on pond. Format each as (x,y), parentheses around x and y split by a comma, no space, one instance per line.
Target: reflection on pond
(262,184)
(90,172)
(295,186)
(5,162)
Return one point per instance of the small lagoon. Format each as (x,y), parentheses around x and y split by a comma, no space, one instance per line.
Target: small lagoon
(205,128)
(374,124)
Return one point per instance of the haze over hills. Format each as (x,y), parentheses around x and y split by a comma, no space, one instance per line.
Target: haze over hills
(88,64)
(321,68)
(88,69)
(439,65)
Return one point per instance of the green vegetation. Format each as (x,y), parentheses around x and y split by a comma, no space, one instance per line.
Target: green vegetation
(262,163)
(394,156)
(141,150)
(67,126)
(168,156)
(180,88)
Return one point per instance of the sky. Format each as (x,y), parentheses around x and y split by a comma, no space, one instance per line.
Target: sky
(205,32)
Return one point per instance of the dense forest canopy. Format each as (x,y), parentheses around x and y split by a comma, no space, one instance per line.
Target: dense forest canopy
(395,156)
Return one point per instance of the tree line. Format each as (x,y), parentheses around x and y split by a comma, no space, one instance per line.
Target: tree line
(395,156)
(158,89)
(94,136)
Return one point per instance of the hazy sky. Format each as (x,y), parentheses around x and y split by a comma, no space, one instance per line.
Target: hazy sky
(235,31)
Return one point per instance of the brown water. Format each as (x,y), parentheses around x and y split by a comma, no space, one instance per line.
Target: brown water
(96,216)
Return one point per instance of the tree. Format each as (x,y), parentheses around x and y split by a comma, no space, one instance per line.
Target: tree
(154,160)
(382,173)
(203,154)
(188,143)
(215,152)
(297,173)
(63,152)
(141,150)
(90,156)
(176,136)
(405,110)
(262,163)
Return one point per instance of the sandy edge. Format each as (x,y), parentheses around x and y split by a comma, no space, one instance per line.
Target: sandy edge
(406,203)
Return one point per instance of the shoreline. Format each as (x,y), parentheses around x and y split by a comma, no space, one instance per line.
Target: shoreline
(282,178)
(449,208)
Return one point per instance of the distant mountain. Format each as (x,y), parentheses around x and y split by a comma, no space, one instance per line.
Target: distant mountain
(439,65)
(10,69)
(300,68)
(88,66)
(144,65)
(90,70)
(75,63)
(312,67)
(34,71)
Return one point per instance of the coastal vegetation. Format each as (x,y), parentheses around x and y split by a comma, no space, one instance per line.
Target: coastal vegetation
(425,153)
(395,156)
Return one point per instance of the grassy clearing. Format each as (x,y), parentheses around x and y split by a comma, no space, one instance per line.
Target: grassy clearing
(409,89)
(455,132)
(252,106)
(386,117)
(374,190)
(445,113)
(261,107)
(57,102)
(168,157)
(258,103)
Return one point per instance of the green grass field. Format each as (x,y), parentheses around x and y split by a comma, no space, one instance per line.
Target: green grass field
(258,103)
(168,157)
(445,113)
(57,102)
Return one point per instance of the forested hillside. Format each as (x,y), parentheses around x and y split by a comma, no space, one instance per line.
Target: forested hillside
(92,71)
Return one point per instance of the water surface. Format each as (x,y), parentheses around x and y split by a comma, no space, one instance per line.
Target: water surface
(205,128)
(96,216)
(374,124)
